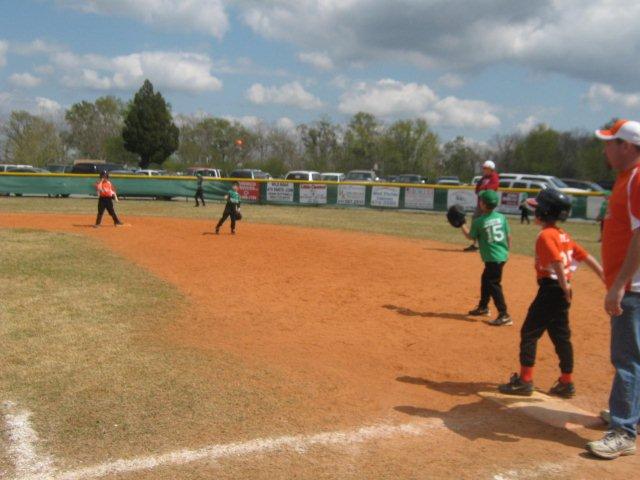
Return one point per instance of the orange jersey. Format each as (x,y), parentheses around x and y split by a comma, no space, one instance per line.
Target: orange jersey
(555,245)
(621,219)
(105,188)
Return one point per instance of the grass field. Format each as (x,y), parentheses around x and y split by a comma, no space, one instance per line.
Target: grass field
(431,226)
(79,330)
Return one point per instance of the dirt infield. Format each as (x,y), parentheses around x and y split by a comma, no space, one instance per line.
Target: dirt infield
(371,328)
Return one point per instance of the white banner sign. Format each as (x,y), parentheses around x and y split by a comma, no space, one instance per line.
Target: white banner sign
(419,198)
(280,192)
(351,195)
(385,197)
(467,198)
(510,202)
(313,194)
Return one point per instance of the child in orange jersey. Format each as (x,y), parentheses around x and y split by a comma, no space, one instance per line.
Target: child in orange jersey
(106,195)
(556,258)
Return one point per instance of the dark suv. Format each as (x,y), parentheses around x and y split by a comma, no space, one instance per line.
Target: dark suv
(88,168)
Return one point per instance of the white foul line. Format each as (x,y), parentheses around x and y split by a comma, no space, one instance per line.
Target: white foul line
(298,443)
(22,444)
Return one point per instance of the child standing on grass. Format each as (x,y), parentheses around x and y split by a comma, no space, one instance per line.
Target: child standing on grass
(491,230)
(199,197)
(524,213)
(231,209)
(556,258)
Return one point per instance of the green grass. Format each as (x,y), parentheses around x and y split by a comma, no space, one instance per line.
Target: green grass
(432,226)
(83,348)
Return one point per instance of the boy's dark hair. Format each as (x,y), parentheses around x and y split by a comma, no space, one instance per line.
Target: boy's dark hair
(235,184)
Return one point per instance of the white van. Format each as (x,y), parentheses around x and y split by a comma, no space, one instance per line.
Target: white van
(306,175)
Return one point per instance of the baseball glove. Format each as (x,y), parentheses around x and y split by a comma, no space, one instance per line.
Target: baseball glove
(456,216)
(238,214)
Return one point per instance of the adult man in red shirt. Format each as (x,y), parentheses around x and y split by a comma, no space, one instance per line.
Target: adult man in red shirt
(621,263)
(490,181)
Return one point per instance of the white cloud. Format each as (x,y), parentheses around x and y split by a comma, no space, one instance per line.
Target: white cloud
(35,47)
(451,80)
(4,46)
(528,124)
(290,94)
(600,93)
(24,80)
(286,124)
(321,61)
(392,99)
(181,71)
(247,121)
(204,16)
(592,40)
(47,107)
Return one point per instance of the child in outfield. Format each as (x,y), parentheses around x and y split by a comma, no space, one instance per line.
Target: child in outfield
(106,195)
(556,258)
(491,230)
(524,213)
(199,197)
(231,209)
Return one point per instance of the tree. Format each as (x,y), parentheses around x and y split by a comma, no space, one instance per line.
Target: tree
(31,140)
(94,126)
(322,150)
(149,130)
(460,159)
(361,142)
(539,152)
(409,146)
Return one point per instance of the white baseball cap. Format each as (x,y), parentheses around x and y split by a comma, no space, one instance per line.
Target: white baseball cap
(626,130)
(489,164)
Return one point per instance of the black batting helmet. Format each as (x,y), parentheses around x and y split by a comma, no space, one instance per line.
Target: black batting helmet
(551,205)
(104,174)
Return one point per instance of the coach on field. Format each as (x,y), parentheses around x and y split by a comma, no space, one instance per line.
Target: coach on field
(490,181)
(621,263)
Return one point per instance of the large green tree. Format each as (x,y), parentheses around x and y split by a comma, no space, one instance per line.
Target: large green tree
(460,159)
(322,150)
(362,142)
(149,130)
(95,128)
(31,140)
(409,146)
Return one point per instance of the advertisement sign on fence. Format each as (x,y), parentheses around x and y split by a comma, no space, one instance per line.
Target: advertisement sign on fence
(280,192)
(466,198)
(249,191)
(510,202)
(419,198)
(313,194)
(593,207)
(385,197)
(352,195)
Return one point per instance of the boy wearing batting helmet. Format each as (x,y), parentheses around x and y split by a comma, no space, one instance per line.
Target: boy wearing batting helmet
(231,209)
(491,230)
(557,255)
(106,195)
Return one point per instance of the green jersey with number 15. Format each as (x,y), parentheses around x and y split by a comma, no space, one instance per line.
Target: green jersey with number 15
(492,232)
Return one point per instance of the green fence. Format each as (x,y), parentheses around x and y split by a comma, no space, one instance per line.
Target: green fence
(345,194)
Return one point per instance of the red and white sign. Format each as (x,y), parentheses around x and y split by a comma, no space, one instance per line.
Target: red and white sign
(249,191)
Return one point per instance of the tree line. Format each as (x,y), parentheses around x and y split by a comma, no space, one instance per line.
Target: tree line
(143,132)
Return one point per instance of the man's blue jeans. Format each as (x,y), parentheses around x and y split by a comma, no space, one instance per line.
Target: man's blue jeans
(624,401)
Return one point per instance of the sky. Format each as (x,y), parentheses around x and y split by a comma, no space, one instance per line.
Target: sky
(469,67)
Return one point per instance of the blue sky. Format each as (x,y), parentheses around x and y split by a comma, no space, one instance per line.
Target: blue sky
(472,68)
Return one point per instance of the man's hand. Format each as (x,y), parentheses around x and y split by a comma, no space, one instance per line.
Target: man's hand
(568,293)
(613,301)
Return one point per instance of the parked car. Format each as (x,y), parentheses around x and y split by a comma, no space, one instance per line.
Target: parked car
(205,172)
(306,175)
(26,169)
(410,178)
(88,168)
(252,173)
(449,180)
(583,185)
(58,168)
(5,167)
(332,177)
(123,171)
(361,176)
(606,184)
(150,172)
(549,180)
(526,184)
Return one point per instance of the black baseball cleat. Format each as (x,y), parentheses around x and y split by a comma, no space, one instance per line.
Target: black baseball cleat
(564,390)
(503,320)
(217,231)
(233,232)
(471,248)
(479,312)
(516,386)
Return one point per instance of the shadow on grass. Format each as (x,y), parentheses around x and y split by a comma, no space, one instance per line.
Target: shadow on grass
(407,312)
(448,250)
(486,419)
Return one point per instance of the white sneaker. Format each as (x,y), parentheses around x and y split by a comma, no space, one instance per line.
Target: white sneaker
(614,444)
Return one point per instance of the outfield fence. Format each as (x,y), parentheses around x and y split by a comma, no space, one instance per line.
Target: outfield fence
(283,192)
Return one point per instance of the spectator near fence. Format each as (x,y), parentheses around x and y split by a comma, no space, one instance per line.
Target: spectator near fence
(490,181)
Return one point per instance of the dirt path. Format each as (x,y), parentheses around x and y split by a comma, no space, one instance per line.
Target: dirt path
(371,327)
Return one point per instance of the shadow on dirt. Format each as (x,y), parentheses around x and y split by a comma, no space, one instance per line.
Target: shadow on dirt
(443,316)
(485,419)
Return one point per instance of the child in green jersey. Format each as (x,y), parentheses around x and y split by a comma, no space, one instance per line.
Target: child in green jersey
(231,209)
(492,232)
